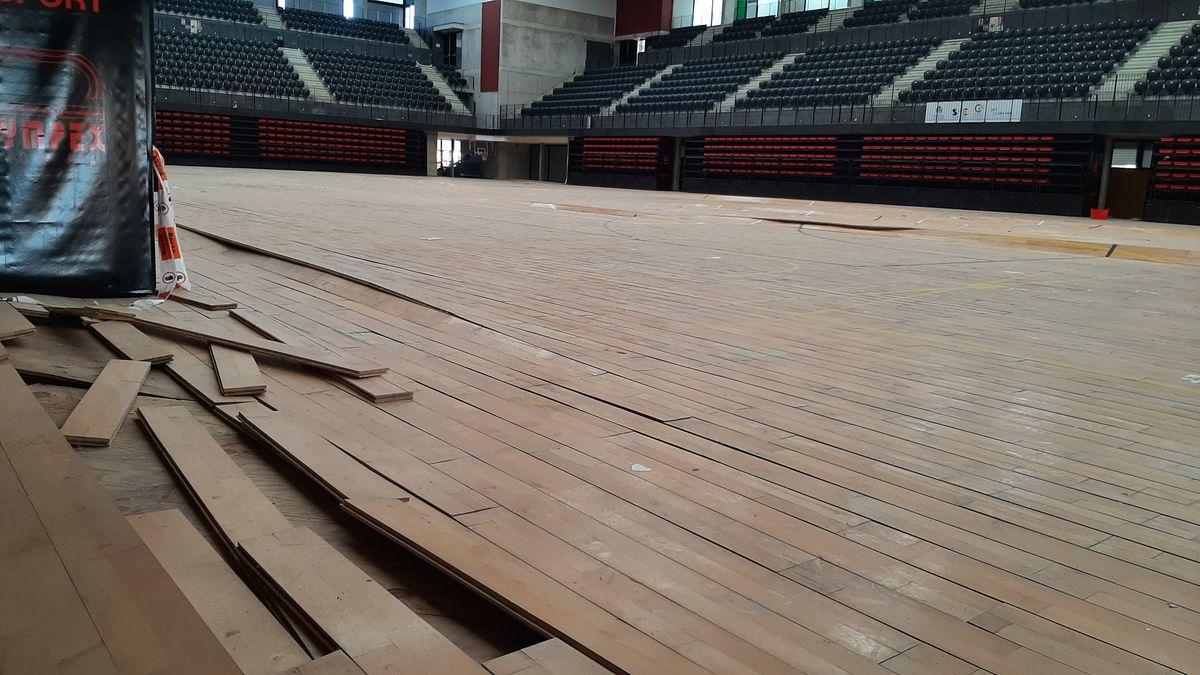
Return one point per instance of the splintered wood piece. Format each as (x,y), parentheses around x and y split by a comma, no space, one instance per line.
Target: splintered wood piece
(372,389)
(256,641)
(130,342)
(227,497)
(201,300)
(551,657)
(12,323)
(376,630)
(102,411)
(143,619)
(237,371)
(334,663)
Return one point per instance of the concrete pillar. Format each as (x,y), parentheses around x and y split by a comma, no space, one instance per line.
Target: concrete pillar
(1105,170)
(543,162)
(431,142)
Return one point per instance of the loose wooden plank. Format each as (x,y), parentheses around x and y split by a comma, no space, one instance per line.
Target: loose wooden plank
(251,635)
(334,663)
(12,323)
(341,364)
(99,416)
(524,591)
(3,354)
(552,657)
(374,389)
(201,300)
(146,623)
(380,633)
(229,499)
(237,372)
(132,343)
(30,309)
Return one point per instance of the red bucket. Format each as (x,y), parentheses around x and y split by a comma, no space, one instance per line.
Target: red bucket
(1099,214)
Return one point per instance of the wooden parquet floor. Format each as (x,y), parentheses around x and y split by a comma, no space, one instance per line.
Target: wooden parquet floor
(763,448)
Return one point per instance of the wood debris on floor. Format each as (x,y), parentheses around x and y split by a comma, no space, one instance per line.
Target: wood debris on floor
(640,464)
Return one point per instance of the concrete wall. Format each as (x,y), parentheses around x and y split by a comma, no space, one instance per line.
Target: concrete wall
(544,42)
(468,13)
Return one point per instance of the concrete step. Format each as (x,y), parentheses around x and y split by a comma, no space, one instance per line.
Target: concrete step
(833,20)
(308,74)
(415,38)
(707,36)
(443,87)
(1119,83)
(612,108)
(729,102)
(891,93)
(270,17)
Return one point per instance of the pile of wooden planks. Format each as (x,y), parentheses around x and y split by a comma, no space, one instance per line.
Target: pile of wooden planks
(110,594)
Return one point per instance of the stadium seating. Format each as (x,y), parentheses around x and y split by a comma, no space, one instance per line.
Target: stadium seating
(454,78)
(794,23)
(198,61)
(838,75)
(332,24)
(678,37)
(1031,63)
(226,10)
(744,29)
(878,12)
(375,80)
(937,9)
(591,91)
(1178,73)
(699,84)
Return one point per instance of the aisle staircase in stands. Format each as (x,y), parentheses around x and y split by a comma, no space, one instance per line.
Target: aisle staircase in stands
(891,93)
(443,87)
(1119,83)
(727,104)
(612,107)
(707,36)
(308,74)
(270,17)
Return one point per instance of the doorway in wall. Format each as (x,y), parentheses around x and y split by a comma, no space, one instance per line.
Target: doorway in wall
(1129,177)
(450,43)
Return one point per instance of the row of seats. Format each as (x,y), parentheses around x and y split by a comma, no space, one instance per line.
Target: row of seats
(591,91)
(454,78)
(333,24)
(794,23)
(1036,4)
(1178,72)
(1030,63)
(938,9)
(699,84)
(878,12)
(743,29)
(226,10)
(376,80)
(838,75)
(678,37)
(198,61)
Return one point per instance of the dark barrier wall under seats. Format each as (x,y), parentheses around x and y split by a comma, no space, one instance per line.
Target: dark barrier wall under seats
(1175,186)
(75,196)
(235,140)
(1025,173)
(641,162)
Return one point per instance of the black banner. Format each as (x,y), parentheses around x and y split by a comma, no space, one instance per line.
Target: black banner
(75,177)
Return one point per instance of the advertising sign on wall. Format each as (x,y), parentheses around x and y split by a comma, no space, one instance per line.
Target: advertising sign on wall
(942,112)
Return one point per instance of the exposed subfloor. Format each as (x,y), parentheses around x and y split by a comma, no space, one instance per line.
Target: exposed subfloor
(757,442)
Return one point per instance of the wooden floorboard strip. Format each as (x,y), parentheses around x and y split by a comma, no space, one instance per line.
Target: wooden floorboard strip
(551,657)
(103,409)
(143,618)
(237,372)
(201,300)
(334,663)
(256,641)
(12,323)
(132,343)
(380,633)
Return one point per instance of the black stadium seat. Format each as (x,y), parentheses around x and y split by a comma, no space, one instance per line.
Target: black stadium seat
(937,9)
(744,29)
(878,13)
(1178,73)
(376,80)
(699,84)
(838,75)
(794,23)
(1031,63)
(591,91)
(334,24)
(199,61)
(226,10)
